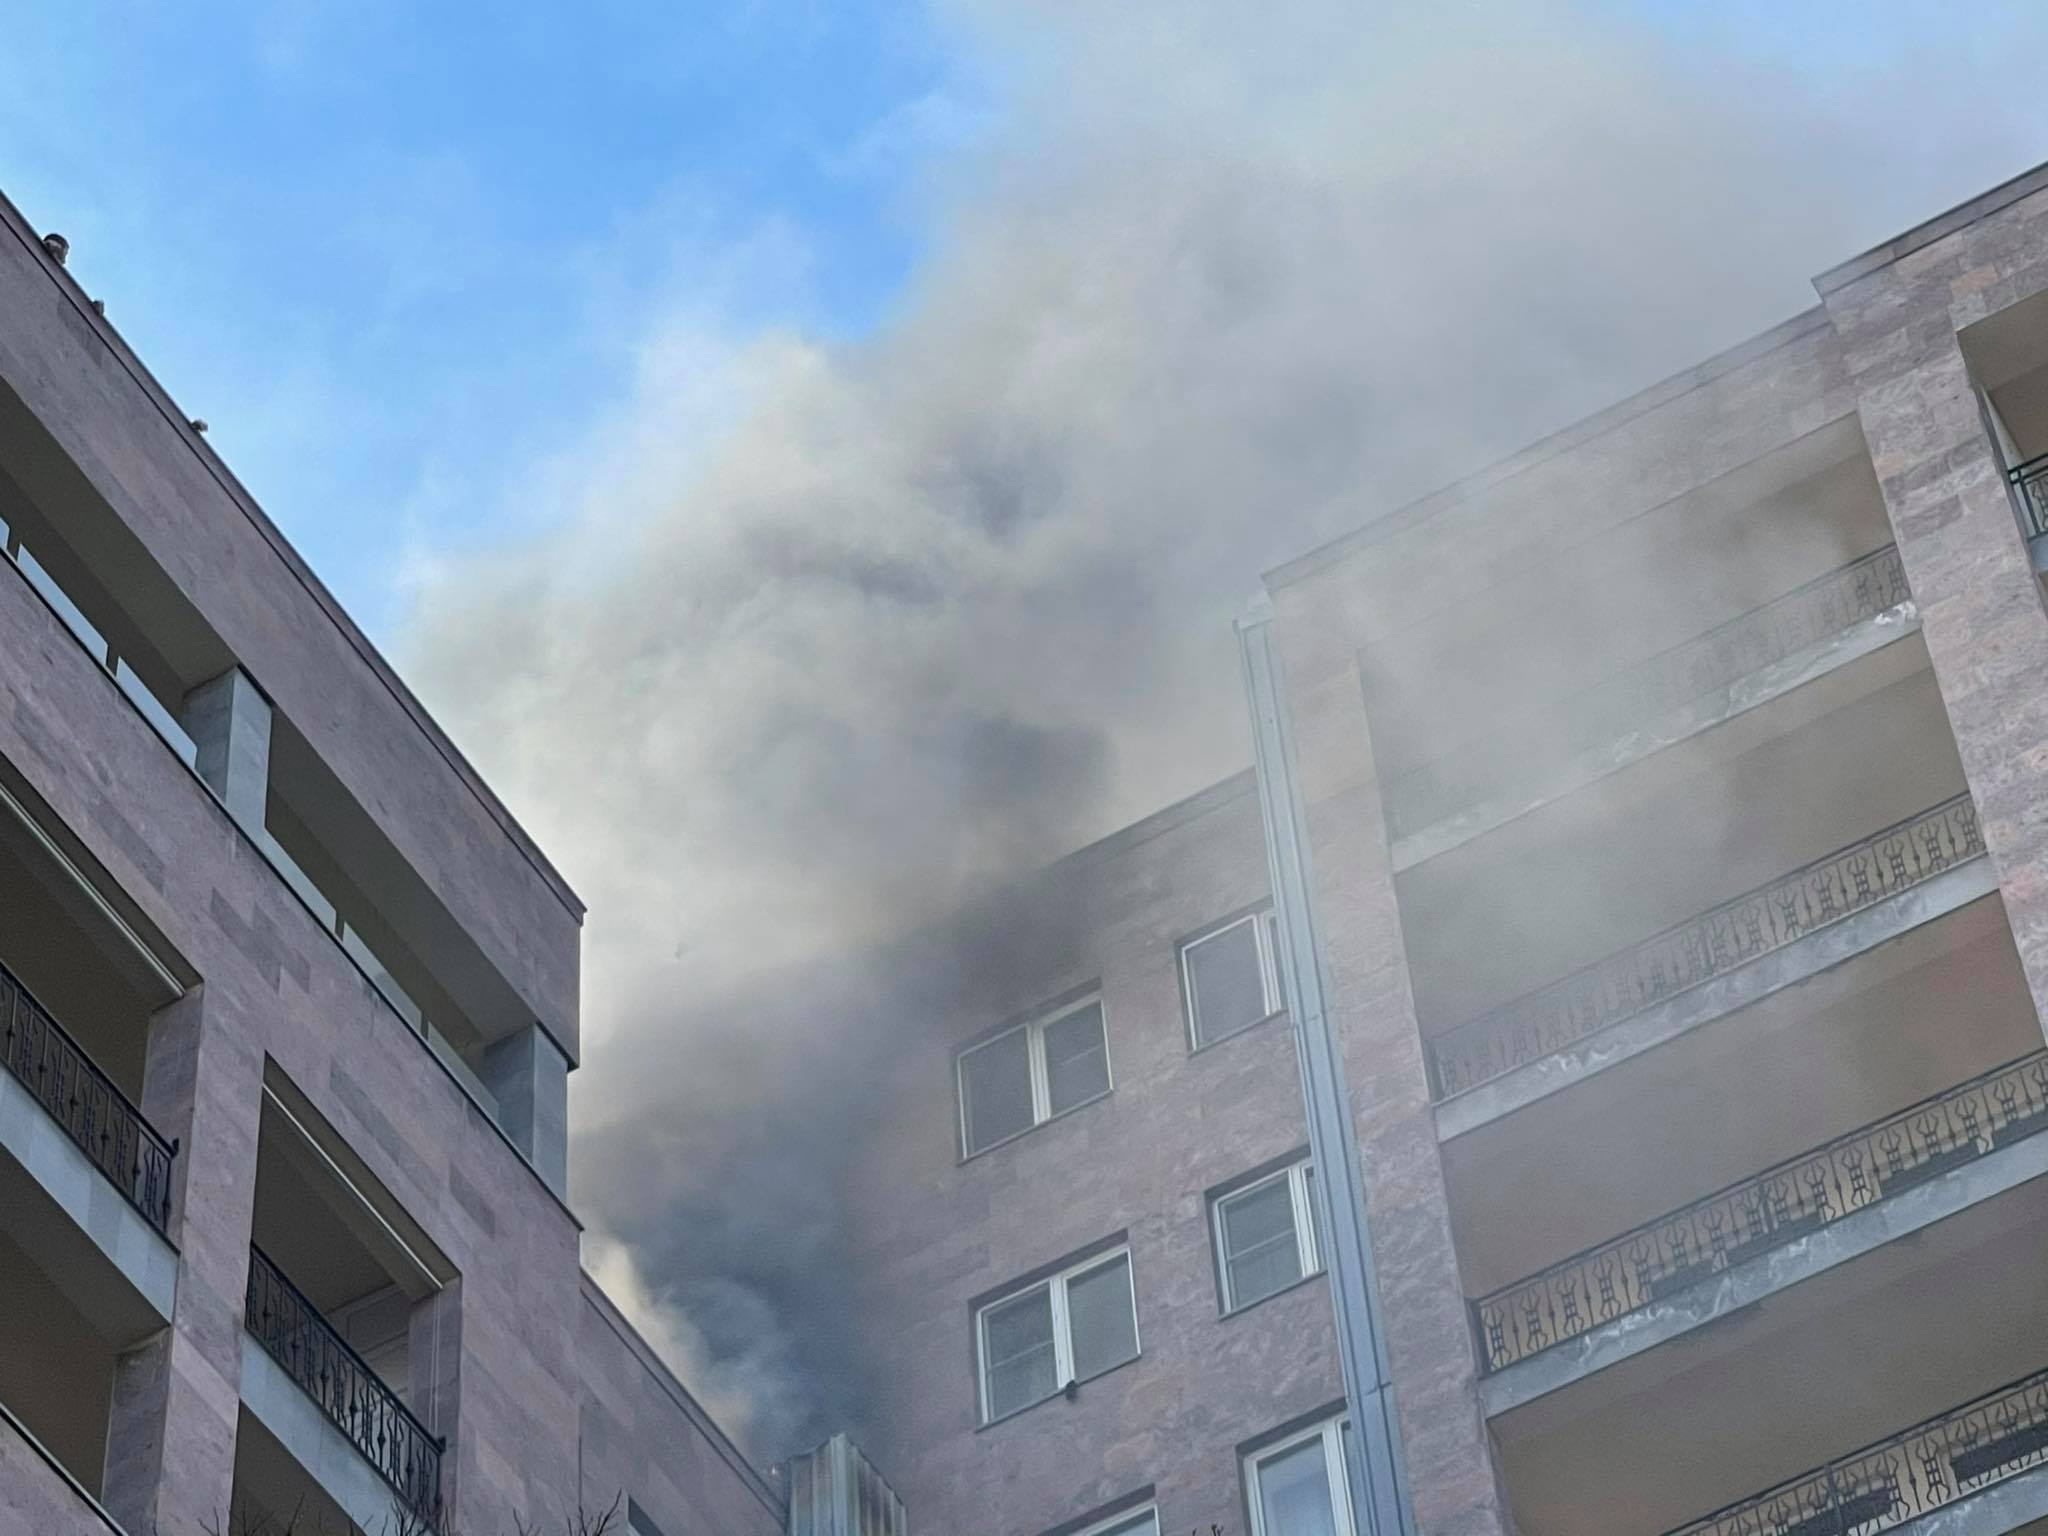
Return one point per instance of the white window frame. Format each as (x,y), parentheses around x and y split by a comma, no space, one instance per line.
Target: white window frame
(1302,1199)
(1331,1433)
(1125,1523)
(1267,935)
(1041,1080)
(1062,1332)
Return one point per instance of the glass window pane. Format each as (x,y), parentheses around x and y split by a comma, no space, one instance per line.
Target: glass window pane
(1226,985)
(1279,971)
(1016,1343)
(1146,1524)
(995,1089)
(1315,1220)
(1076,1058)
(1260,1255)
(1100,1318)
(1294,1493)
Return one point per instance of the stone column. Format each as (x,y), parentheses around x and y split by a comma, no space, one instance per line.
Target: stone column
(433,1390)
(171,1435)
(1453,1484)
(1980,603)
(529,1076)
(229,721)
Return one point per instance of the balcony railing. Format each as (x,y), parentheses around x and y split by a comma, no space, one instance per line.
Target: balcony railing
(1589,721)
(351,1394)
(80,1097)
(2030,480)
(1763,1212)
(1603,994)
(1938,1462)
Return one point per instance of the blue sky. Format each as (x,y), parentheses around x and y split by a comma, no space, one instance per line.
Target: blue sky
(393,253)
(397,255)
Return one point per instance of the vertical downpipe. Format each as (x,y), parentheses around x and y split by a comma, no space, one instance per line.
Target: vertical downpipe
(1379,1490)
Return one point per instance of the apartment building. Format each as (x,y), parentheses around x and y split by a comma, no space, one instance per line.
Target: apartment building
(287,1007)
(1600,1047)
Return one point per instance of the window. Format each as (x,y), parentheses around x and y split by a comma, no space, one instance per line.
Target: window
(1298,1487)
(1231,977)
(1025,1076)
(1142,1522)
(1266,1235)
(1078,1324)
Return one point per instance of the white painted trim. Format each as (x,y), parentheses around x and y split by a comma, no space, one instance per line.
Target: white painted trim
(1055,1287)
(1132,1522)
(1331,1433)
(1265,943)
(1035,1061)
(1300,1203)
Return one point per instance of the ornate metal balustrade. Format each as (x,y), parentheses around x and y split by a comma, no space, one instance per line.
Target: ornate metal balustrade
(1587,721)
(2031,481)
(295,1335)
(1765,1211)
(1934,1464)
(83,1099)
(1603,994)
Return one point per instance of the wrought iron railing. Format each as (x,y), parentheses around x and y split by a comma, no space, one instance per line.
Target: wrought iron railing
(80,1097)
(1763,1212)
(1603,994)
(2031,481)
(1503,757)
(295,1335)
(1937,1462)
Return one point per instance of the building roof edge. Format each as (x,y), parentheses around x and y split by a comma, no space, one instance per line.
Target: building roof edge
(237,493)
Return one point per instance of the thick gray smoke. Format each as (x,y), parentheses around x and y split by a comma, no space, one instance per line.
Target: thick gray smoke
(887,621)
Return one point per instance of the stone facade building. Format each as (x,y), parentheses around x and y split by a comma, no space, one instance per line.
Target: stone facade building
(287,1007)
(1651,829)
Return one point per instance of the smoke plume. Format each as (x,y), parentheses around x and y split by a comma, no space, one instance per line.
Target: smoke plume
(831,637)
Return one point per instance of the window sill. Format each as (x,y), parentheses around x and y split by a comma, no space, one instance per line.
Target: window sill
(1242,1029)
(1061,1395)
(1285,1290)
(1017,1136)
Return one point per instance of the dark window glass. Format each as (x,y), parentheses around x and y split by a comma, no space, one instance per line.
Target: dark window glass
(1076,1058)
(1017,1344)
(1100,1318)
(995,1089)
(1260,1253)
(1294,1493)
(1226,983)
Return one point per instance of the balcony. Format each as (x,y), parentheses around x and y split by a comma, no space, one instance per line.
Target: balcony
(351,1395)
(1944,1461)
(1491,779)
(1628,984)
(1793,1199)
(2030,482)
(82,1099)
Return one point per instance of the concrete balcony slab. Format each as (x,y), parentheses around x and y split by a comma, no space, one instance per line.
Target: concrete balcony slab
(1745,1284)
(1795,962)
(320,1449)
(59,1207)
(1658,732)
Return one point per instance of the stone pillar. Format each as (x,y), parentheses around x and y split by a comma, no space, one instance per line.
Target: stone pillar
(229,721)
(434,1364)
(1454,1486)
(1965,559)
(529,1076)
(171,1434)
